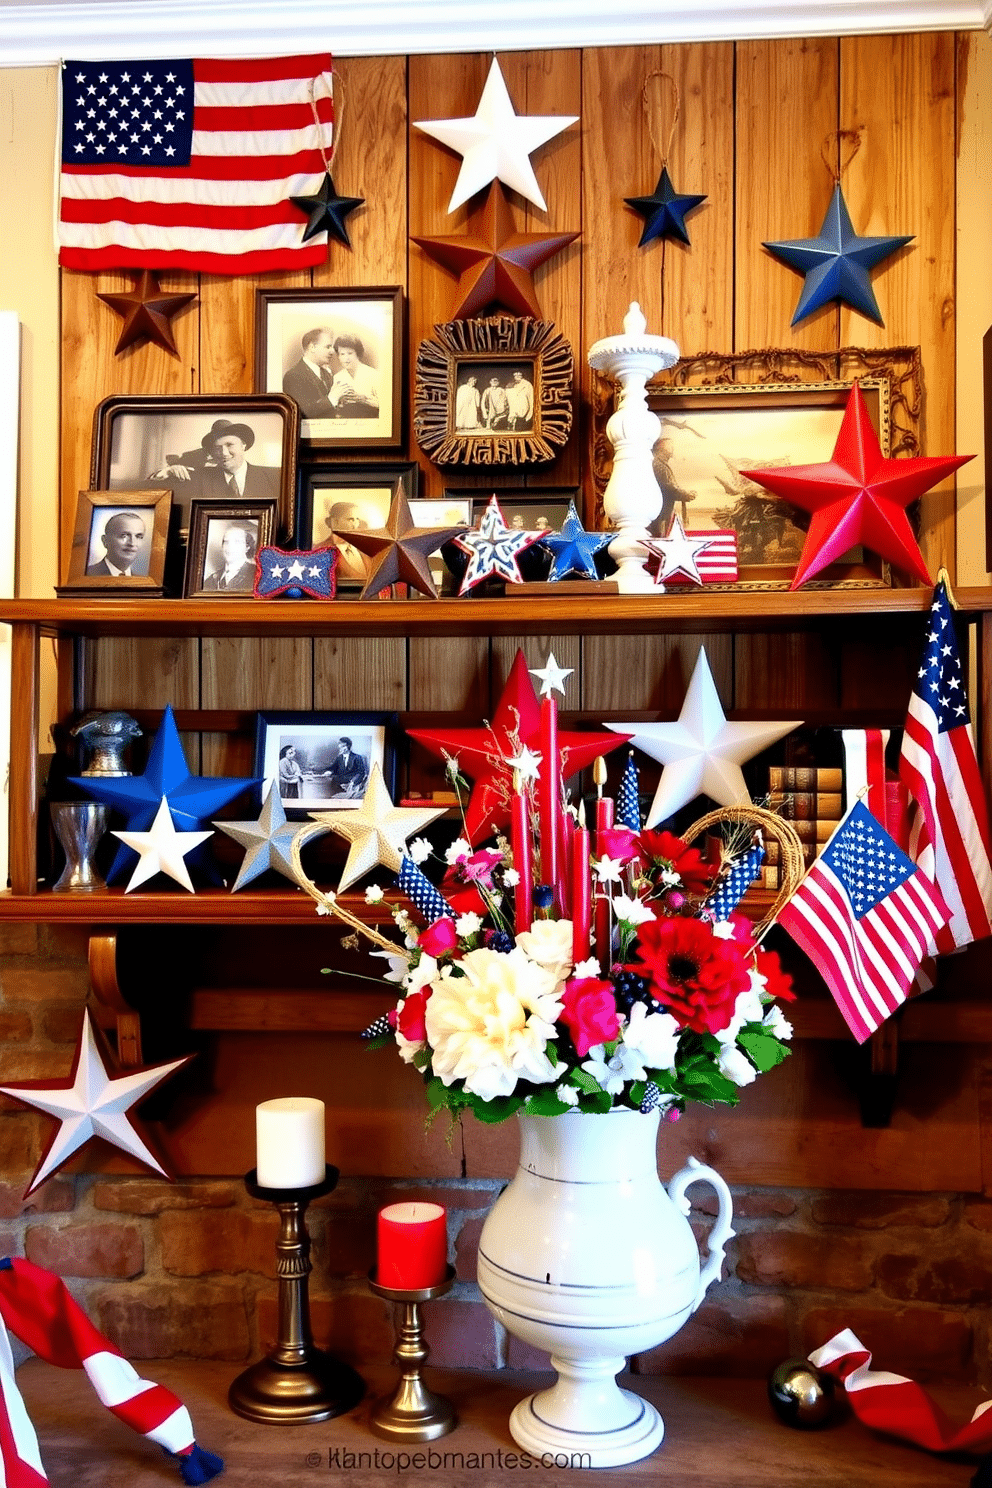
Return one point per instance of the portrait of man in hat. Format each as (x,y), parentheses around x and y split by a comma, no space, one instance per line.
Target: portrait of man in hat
(219,470)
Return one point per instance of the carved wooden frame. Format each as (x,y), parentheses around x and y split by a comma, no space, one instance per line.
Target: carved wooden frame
(501,339)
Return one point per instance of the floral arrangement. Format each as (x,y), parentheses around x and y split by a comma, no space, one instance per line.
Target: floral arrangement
(627,980)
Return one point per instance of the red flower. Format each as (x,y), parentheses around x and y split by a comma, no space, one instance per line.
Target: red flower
(410,1019)
(778,983)
(664,849)
(479,867)
(697,977)
(438,939)
(463,898)
(590,1013)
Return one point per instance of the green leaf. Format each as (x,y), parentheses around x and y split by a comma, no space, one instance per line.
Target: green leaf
(582,1080)
(598,1103)
(500,1108)
(761,1047)
(437,1094)
(546,1103)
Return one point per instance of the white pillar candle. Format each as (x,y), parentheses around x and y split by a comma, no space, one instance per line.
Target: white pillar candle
(289,1142)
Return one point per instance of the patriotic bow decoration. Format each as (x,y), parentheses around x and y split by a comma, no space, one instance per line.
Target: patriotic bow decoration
(36,1306)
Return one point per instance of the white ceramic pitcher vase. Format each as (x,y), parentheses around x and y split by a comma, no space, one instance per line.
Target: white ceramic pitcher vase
(586,1256)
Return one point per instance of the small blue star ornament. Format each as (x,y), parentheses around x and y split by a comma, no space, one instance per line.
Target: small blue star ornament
(493,549)
(665,211)
(573,549)
(192,799)
(836,263)
(309,573)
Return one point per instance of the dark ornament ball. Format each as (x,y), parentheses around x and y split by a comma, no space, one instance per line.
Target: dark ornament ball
(801,1395)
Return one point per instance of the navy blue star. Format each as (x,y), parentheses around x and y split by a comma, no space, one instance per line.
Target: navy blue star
(573,548)
(665,211)
(327,211)
(193,799)
(836,263)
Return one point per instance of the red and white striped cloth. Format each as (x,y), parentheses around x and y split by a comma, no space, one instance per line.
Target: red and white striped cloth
(36,1306)
(893,1403)
(864,769)
(717,562)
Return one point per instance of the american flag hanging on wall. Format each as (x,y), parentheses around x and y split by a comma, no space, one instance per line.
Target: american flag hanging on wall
(191,164)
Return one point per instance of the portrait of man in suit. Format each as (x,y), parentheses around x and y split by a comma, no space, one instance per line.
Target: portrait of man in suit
(123,544)
(229,473)
(310,379)
(235,572)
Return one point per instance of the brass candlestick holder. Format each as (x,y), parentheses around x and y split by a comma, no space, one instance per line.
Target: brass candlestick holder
(413,1413)
(297,1382)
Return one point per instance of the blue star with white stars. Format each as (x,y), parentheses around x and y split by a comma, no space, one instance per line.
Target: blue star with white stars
(574,549)
(665,211)
(940,680)
(836,263)
(493,549)
(866,860)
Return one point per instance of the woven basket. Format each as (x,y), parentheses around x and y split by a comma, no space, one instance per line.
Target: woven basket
(792,863)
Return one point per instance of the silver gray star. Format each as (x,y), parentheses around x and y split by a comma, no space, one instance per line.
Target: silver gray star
(267,841)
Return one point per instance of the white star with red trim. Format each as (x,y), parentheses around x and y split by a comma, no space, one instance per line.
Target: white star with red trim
(678,552)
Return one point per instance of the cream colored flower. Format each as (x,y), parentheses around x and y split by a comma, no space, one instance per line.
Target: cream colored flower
(489,1026)
(549,943)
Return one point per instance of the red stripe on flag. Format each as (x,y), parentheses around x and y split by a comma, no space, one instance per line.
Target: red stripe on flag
(213,168)
(148,1409)
(269,116)
(260,69)
(176,214)
(259,262)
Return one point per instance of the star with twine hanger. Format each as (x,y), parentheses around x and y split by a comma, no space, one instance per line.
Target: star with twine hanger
(377,830)
(495,266)
(268,841)
(399,551)
(147,311)
(493,549)
(666,209)
(858,496)
(325,210)
(496,143)
(489,754)
(836,263)
(93,1103)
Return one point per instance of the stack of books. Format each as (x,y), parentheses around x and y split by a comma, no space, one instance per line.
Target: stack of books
(811,797)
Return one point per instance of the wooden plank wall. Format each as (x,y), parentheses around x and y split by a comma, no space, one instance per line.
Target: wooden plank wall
(754,117)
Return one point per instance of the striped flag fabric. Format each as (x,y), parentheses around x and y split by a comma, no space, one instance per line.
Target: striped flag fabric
(949,826)
(191,164)
(864,768)
(717,562)
(866,916)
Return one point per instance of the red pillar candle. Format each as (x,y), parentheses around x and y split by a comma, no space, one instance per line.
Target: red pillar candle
(413,1246)
(603,912)
(549,793)
(581,894)
(523,894)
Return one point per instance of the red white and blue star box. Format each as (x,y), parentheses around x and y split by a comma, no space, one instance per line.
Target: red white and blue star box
(306,573)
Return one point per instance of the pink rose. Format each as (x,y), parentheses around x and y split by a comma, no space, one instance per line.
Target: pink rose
(438,939)
(410,1020)
(589,1012)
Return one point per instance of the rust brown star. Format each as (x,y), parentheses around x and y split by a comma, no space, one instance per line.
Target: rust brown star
(147,314)
(495,266)
(399,551)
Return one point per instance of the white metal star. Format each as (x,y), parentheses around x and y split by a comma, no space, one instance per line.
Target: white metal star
(92,1103)
(526,764)
(702,752)
(496,144)
(267,841)
(377,830)
(552,676)
(678,552)
(162,849)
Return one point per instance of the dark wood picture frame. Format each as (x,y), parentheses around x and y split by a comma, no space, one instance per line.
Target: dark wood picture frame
(286,318)
(147,432)
(86,571)
(202,579)
(369,488)
(313,735)
(530,502)
(493,350)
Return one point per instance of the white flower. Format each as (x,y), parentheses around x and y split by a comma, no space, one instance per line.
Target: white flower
(420,976)
(589,968)
(467,925)
(777,1023)
(407,1047)
(458,851)
(398,964)
(490,1025)
(567,1094)
(511,878)
(610,1074)
(723,930)
(654,1036)
(549,943)
(669,878)
(420,849)
(451,765)
(402,919)
(747,1009)
(606,869)
(735,1065)
(632,911)
(374,894)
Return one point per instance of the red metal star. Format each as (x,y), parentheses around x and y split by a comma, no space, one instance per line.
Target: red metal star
(482,752)
(858,496)
(496,265)
(147,313)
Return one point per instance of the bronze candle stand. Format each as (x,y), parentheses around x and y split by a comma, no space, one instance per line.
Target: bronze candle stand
(413,1413)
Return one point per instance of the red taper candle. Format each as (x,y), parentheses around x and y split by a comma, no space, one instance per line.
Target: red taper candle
(413,1246)
(603,914)
(523,894)
(581,890)
(549,793)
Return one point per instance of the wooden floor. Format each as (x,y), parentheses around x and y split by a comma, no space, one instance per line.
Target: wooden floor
(719,1434)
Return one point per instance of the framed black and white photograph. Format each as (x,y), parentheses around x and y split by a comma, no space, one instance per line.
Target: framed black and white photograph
(338,499)
(532,509)
(119,543)
(321,761)
(338,353)
(224,449)
(223,544)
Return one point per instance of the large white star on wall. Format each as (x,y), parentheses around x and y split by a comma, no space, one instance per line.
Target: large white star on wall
(162,849)
(377,830)
(92,1103)
(702,753)
(496,144)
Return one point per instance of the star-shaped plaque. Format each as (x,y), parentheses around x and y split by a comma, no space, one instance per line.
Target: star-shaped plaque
(493,549)
(664,211)
(678,552)
(702,753)
(836,263)
(267,841)
(377,830)
(488,753)
(858,496)
(326,211)
(496,144)
(92,1103)
(495,266)
(162,850)
(574,549)
(147,312)
(399,551)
